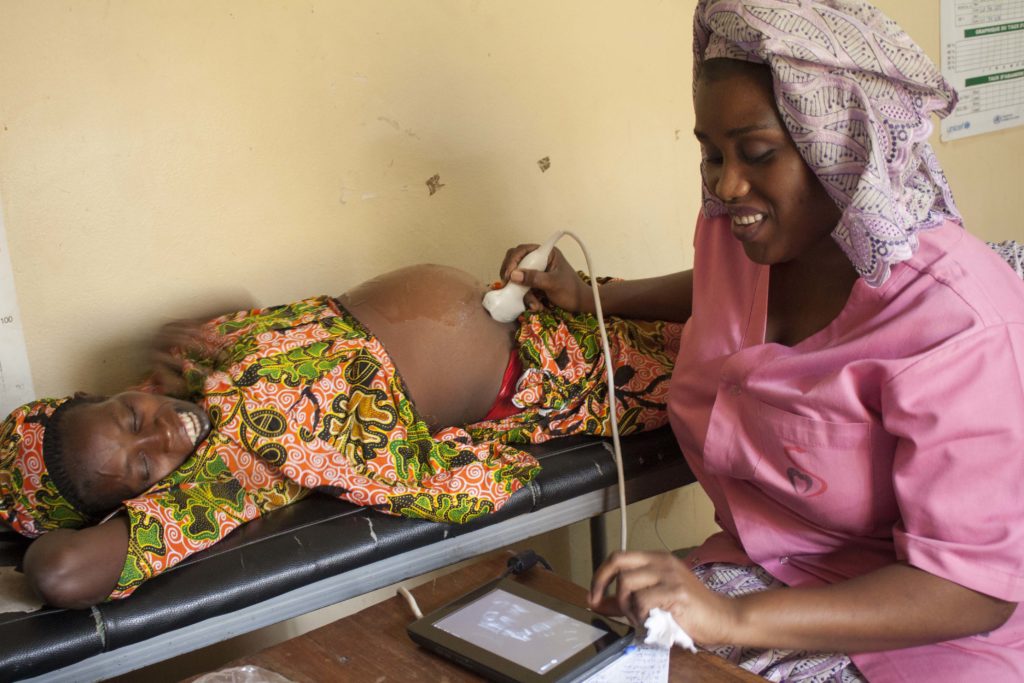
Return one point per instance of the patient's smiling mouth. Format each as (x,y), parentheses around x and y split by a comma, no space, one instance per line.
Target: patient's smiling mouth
(196,426)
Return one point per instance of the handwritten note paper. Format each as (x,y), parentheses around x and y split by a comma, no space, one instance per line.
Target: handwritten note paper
(638,664)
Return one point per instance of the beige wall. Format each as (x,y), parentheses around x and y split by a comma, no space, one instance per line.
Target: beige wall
(161,160)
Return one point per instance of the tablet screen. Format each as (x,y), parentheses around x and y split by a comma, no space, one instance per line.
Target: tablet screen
(521,631)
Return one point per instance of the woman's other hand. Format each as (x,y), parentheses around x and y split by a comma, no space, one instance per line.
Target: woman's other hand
(559,284)
(167,355)
(645,580)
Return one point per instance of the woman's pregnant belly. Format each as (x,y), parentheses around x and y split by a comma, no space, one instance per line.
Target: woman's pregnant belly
(446,347)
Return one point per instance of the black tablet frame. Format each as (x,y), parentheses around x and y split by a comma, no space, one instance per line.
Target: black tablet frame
(495,667)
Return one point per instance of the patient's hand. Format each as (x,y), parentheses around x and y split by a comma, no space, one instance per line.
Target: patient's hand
(167,356)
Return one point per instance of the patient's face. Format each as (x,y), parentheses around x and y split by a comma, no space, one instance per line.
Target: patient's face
(123,444)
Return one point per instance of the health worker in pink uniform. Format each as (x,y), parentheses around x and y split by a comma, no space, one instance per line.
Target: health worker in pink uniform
(850,384)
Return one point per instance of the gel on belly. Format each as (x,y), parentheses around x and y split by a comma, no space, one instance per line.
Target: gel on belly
(506,304)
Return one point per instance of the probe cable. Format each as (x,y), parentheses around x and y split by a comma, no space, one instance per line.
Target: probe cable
(612,409)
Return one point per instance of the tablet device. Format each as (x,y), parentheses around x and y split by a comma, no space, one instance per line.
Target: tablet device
(509,632)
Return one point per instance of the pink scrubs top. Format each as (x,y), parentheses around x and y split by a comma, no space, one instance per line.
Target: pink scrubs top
(895,433)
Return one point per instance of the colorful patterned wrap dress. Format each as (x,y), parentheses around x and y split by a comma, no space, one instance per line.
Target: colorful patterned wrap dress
(302,397)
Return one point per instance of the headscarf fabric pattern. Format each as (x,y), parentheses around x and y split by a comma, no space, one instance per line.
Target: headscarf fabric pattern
(30,501)
(1013,253)
(856,94)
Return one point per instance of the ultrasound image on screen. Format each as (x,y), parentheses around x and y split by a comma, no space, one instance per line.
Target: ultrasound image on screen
(521,631)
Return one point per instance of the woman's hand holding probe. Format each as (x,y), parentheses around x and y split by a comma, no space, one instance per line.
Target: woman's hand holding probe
(559,284)
(645,580)
(665,297)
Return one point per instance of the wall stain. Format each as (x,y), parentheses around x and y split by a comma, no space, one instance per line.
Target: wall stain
(544,164)
(397,126)
(434,183)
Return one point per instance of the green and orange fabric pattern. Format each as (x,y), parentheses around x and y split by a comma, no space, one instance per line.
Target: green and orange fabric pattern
(303,398)
(31,503)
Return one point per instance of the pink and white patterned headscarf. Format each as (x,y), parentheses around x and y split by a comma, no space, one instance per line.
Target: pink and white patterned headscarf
(856,94)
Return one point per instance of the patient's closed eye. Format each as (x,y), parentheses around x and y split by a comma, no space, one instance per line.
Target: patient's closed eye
(131,419)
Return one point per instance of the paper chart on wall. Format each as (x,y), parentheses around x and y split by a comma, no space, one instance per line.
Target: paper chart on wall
(983,58)
(15,374)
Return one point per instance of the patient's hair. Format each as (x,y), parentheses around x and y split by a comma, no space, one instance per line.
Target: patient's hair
(74,481)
